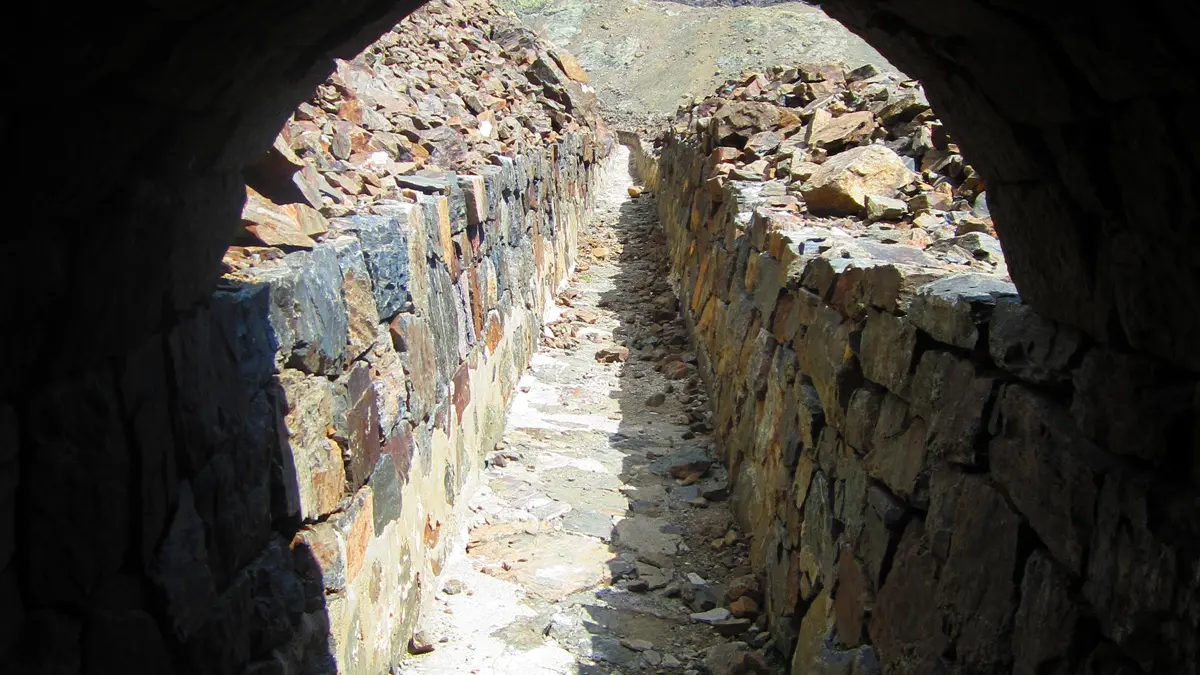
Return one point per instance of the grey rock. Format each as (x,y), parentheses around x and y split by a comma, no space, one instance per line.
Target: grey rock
(610,650)
(887,350)
(1125,403)
(385,247)
(1045,619)
(711,616)
(1133,575)
(885,208)
(590,523)
(1033,348)
(637,645)
(181,570)
(951,309)
(319,313)
(646,535)
(444,323)
(972,527)
(1047,468)
(980,208)
(897,456)
(951,396)
(730,627)
(978,245)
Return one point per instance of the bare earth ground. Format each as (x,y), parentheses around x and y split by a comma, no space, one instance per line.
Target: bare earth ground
(645,57)
(586,555)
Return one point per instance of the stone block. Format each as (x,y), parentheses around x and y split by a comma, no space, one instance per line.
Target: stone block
(466,314)
(273,225)
(358,293)
(827,354)
(885,208)
(180,570)
(387,493)
(356,527)
(276,593)
(785,323)
(906,623)
(399,448)
(461,392)
(220,356)
(1046,618)
(446,322)
(897,456)
(951,309)
(241,328)
(974,531)
(77,498)
(887,351)
(308,308)
(862,415)
(356,423)
(413,340)
(768,282)
(313,468)
(853,600)
(814,630)
(1133,575)
(819,275)
(146,400)
(817,544)
(1032,348)
(1129,404)
(758,355)
(385,247)
(1048,470)
(388,378)
(949,394)
(476,199)
(320,556)
(233,497)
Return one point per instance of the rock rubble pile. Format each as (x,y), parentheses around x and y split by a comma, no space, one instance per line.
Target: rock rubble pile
(856,151)
(452,88)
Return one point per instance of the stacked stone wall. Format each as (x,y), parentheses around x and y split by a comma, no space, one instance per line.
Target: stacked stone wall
(272,481)
(935,478)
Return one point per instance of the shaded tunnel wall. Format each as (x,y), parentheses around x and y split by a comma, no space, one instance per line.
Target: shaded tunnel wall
(292,452)
(935,476)
(1078,122)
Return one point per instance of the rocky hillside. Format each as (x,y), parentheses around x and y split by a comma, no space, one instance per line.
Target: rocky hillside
(646,57)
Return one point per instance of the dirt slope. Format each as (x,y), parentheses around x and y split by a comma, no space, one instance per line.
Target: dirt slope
(646,57)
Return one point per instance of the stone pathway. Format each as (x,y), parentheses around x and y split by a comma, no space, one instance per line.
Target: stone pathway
(601,541)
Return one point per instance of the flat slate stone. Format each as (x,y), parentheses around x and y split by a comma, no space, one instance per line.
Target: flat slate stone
(951,309)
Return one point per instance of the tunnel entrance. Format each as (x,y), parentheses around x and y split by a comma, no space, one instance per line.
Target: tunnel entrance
(150,520)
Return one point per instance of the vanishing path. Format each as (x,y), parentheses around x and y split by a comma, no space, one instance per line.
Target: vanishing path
(594,543)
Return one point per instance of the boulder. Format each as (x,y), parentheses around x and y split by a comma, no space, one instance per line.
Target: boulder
(854,128)
(843,182)
(885,208)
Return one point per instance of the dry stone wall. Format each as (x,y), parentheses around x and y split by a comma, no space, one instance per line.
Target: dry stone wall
(936,479)
(272,485)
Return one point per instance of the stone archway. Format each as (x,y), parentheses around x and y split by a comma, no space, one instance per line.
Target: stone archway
(132,136)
